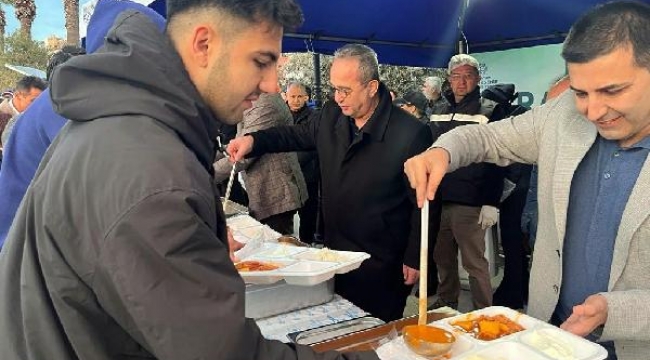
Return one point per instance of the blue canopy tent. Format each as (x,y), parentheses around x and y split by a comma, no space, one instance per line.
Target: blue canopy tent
(427,32)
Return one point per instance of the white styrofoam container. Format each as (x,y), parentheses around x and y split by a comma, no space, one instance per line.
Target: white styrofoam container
(348,260)
(398,350)
(561,345)
(267,276)
(302,271)
(538,341)
(307,273)
(242,221)
(527,322)
(508,350)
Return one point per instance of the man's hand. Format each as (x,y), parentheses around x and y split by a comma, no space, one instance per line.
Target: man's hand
(425,171)
(238,148)
(488,216)
(233,245)
(587,316)
(410,275)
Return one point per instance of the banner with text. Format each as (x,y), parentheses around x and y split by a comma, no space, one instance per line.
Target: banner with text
(533,70)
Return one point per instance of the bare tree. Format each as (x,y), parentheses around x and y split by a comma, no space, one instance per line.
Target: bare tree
(71,9)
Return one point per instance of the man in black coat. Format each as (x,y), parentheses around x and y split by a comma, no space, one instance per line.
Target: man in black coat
(362,142)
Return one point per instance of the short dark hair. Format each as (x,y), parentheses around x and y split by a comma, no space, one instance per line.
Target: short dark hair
(285,13)
(608,27)
(60,56)
(27,83)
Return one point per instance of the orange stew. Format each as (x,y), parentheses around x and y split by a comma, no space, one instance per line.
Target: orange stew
(429,334)
(252,265)
(489,327)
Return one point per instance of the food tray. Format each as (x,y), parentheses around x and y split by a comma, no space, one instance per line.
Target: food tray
(333,331)
(246,229)
(263,301)
(233,208)
(300,265)
(538,341)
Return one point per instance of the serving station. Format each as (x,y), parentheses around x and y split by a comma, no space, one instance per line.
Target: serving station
(290,294)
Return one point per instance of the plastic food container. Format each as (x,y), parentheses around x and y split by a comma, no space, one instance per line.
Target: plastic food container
(301,265)
(538,341)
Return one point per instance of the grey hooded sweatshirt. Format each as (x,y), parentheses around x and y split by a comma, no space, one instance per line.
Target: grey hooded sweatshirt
(118,250)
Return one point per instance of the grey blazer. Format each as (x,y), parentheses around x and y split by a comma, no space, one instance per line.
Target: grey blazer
(274,182)
(556,137)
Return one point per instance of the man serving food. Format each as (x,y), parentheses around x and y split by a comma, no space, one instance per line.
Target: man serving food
(592,255)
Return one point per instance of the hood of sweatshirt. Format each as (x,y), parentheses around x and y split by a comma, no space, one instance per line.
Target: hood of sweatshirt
(135,72)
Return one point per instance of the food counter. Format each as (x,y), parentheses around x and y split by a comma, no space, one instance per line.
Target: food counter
(300,295)
(370,339)
(294,302)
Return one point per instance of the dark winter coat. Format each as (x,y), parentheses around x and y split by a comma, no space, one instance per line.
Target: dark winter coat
(476,184)
(367,203)
(308,159)
(119,250)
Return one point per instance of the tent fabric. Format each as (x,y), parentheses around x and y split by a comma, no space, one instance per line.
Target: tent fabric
(425,32)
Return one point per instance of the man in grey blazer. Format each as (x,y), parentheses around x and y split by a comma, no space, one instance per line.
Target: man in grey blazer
(274,183)
(591,269)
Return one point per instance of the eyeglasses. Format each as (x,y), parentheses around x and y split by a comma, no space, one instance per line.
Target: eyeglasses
(464,77)
(344,91)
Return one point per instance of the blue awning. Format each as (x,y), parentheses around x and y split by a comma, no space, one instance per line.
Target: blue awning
(426,32)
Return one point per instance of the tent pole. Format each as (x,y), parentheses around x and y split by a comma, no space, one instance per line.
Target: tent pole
(318,94)
(462,41)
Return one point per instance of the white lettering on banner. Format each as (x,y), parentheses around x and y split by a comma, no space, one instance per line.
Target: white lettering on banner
(532,70)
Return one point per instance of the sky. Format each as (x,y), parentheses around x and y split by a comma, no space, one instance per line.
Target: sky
(49,19)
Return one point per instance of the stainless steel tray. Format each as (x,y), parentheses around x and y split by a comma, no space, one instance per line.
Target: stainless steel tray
(269,300)
(333,331)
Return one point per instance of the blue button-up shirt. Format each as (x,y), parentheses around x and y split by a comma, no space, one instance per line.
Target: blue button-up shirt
(600,189)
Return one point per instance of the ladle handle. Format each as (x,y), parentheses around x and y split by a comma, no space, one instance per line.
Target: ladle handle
(424,251)
(229,187)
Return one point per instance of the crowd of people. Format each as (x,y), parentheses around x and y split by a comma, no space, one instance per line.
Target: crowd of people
(113,237)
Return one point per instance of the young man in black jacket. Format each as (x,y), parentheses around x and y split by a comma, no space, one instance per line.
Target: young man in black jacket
(119,248)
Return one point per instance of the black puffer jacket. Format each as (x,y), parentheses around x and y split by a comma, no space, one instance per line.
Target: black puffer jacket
(477,184)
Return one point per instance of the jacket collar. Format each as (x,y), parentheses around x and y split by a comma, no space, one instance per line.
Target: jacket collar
(378,122)
(473,96)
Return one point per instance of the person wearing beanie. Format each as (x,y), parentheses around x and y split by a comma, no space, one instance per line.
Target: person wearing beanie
(415,103)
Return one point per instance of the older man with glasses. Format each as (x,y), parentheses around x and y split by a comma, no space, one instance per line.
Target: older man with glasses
(362,141)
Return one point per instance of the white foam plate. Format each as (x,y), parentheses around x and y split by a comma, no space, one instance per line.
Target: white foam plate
(539,341)
(303,271)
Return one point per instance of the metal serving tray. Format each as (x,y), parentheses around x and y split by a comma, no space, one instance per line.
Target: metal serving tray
(333,331)
(269,300)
